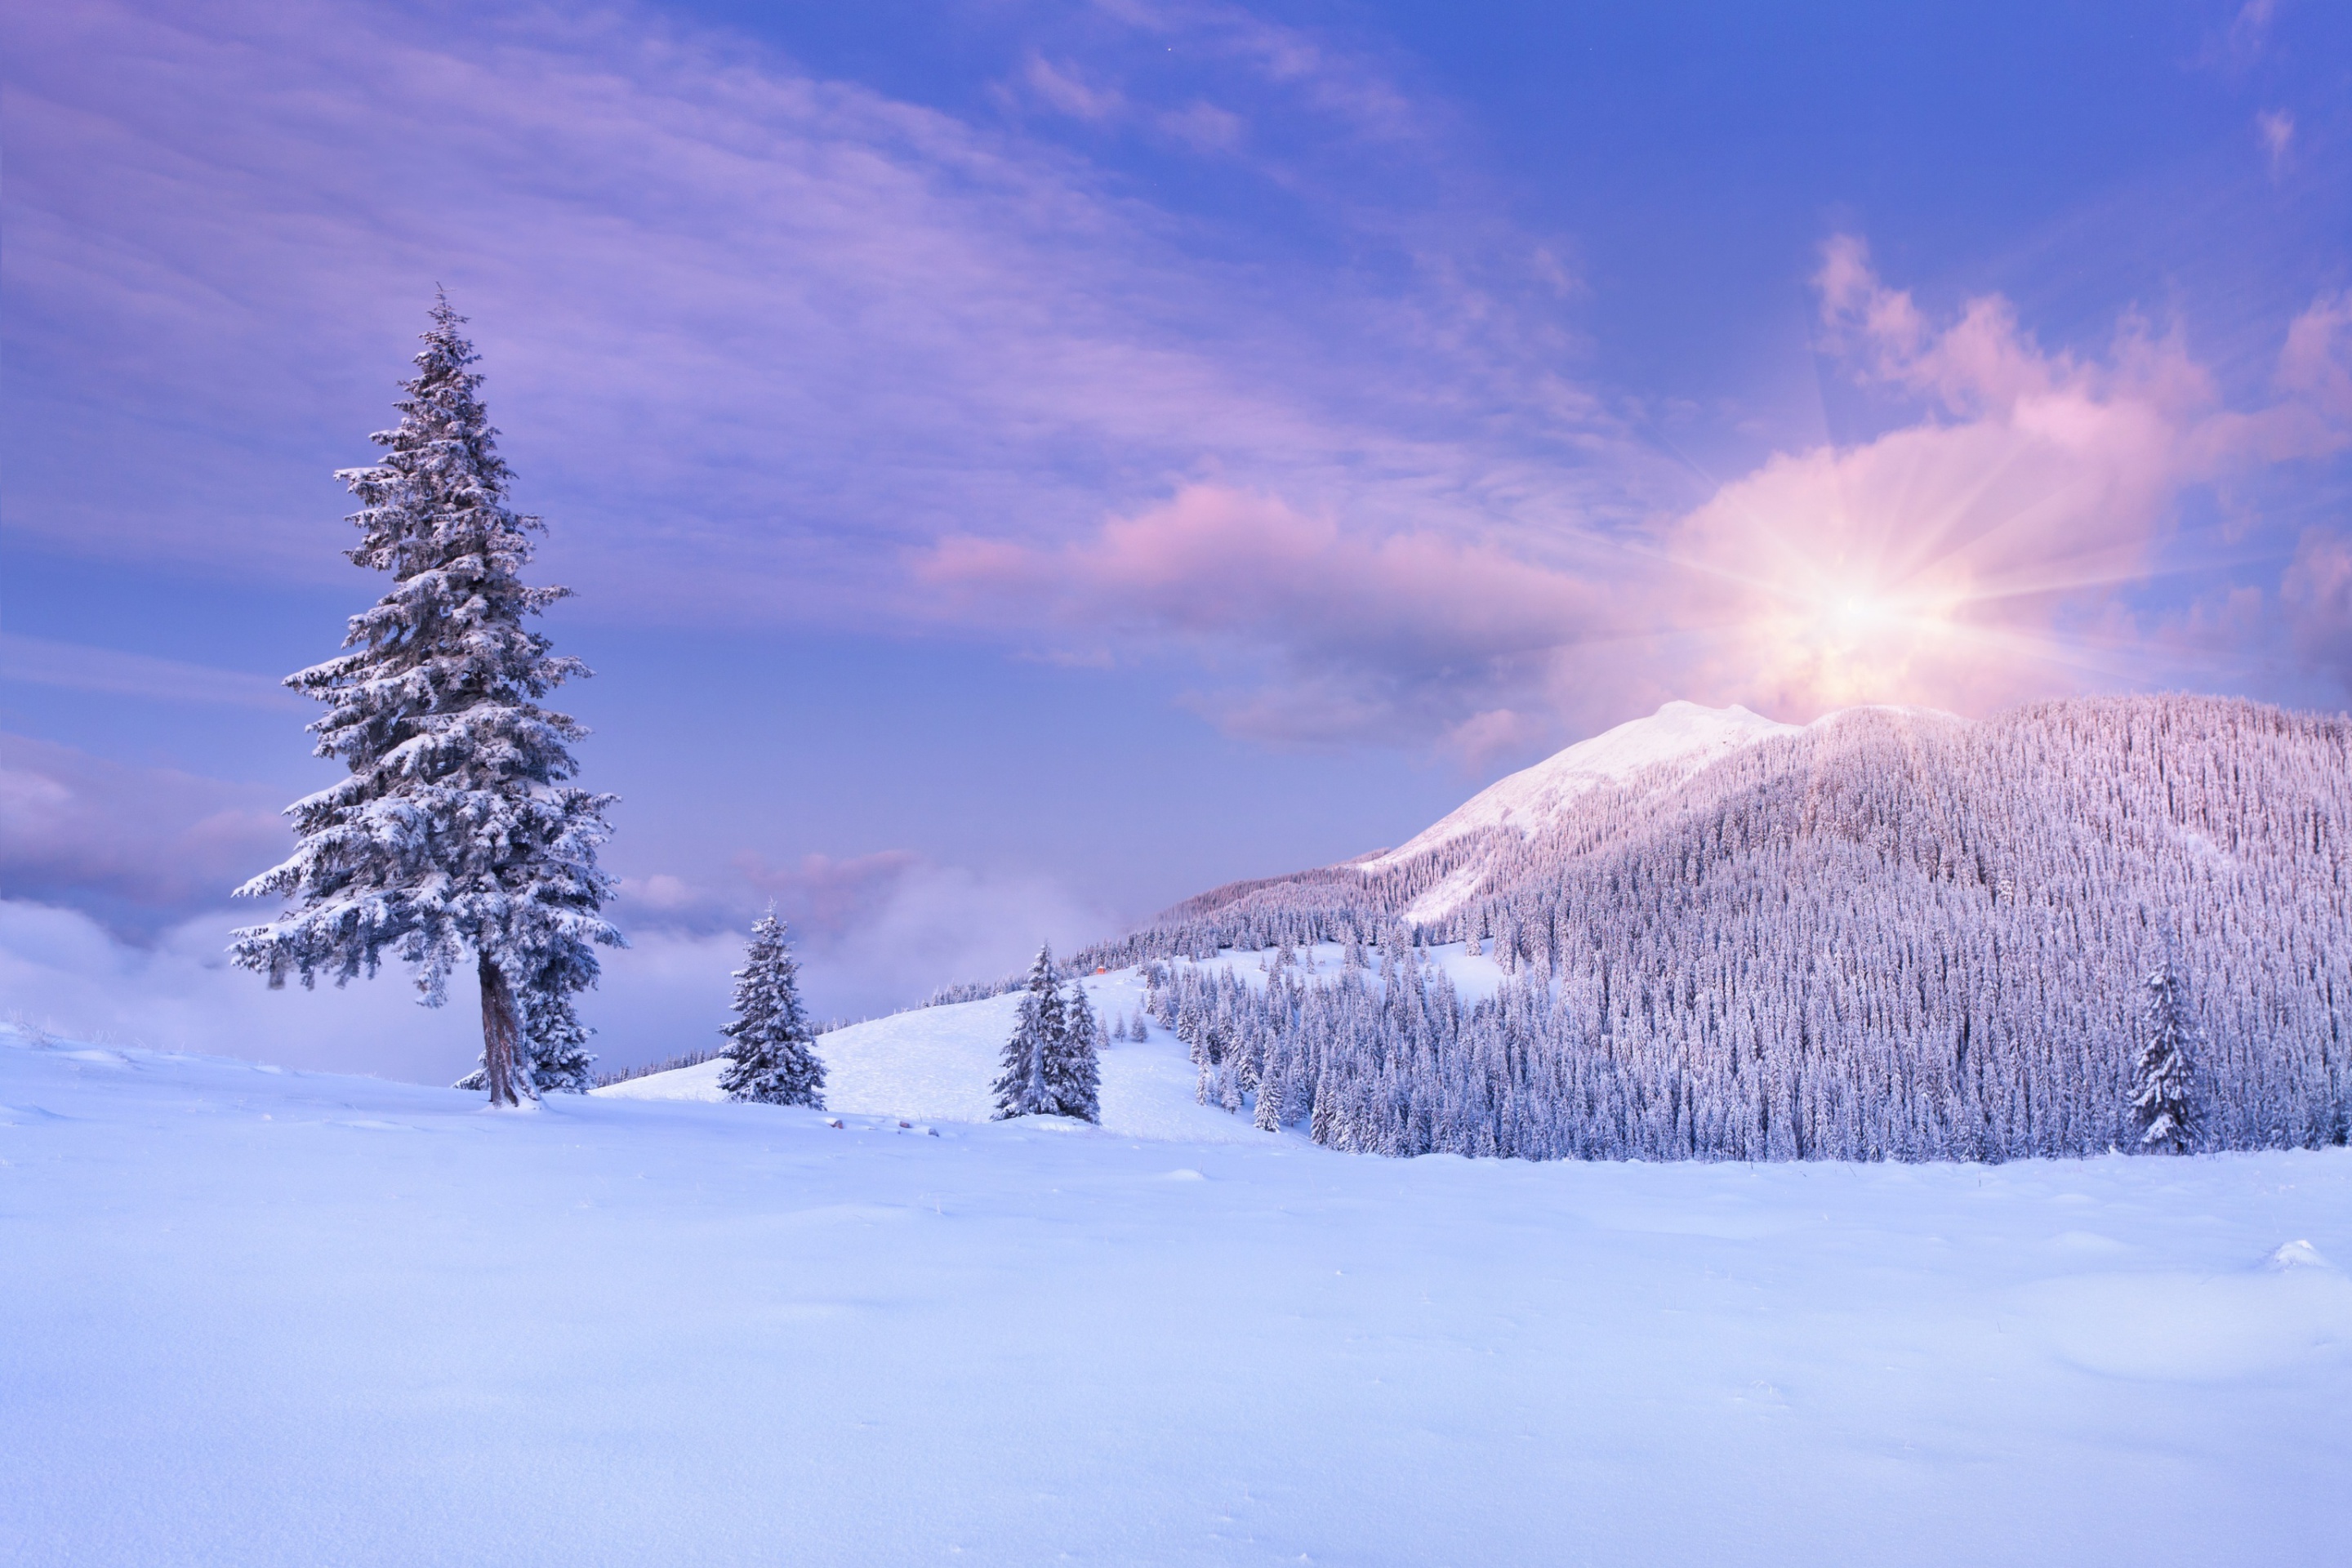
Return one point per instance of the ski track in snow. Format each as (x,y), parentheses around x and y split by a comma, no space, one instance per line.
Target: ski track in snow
(272,1318)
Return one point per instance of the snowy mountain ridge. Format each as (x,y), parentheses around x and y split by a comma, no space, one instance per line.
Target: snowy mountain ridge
(1647,756)
(1663,749)
(1677,741)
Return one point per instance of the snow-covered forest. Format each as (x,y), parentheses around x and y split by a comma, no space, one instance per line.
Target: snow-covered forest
(1894,934)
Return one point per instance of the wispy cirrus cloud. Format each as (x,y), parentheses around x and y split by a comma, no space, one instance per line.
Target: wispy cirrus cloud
(745,326)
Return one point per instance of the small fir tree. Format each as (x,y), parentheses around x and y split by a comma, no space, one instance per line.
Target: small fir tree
(773,1056)
(456,834)
(1074,1070)
(1323,1116)
(2161,1086)
(1268,1118)
(1020,1088)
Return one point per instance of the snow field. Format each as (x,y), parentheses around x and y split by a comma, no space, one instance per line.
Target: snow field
(257,1317)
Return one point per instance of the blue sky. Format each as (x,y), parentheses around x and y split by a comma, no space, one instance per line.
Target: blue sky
(1022,464)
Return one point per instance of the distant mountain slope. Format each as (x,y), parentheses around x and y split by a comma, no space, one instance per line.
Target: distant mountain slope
(1892,932)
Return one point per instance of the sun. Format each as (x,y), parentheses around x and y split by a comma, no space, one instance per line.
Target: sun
(1848,637)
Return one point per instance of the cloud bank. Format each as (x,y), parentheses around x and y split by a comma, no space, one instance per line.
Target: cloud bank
(142,845)
(667,991)
(115,922)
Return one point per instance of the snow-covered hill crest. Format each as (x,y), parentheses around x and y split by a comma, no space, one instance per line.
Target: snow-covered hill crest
(1665,749)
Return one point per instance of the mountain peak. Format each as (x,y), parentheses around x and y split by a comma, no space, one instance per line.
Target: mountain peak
(1682,737)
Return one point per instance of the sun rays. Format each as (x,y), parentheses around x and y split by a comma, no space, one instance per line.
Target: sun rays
(1983,554)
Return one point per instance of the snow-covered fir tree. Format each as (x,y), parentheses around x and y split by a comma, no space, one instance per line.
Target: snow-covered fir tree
(1050,1065)
(1268,1117)
(1073,1067)
(2162,1101)
(773,1055)
(1021,1087)
(457,835)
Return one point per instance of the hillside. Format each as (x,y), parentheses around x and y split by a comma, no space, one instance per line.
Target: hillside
(1891,933)
(937,1064)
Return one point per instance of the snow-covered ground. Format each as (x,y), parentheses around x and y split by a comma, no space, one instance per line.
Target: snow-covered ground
(257,1316)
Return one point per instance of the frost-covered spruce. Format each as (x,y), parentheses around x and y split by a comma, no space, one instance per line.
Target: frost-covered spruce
(1049,1064)
(1268,1118)
(1021,1087)
(773,1058)
(2162,1101)
(457,835)
(1073,1067)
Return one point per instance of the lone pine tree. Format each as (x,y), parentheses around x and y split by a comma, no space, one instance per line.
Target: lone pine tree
(2161,1098)
(773,1056)
(456,834)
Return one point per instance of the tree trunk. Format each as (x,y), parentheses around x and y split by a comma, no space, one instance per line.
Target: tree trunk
(500,1033)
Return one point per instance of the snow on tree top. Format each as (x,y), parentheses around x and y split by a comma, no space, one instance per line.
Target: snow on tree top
(1679,738)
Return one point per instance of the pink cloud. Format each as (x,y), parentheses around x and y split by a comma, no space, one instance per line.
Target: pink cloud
(1359,630)
(1974,558)
(1483,738)
(828,897)
(1215,562)
(2276,128)
(1205,128)
(2316,367)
